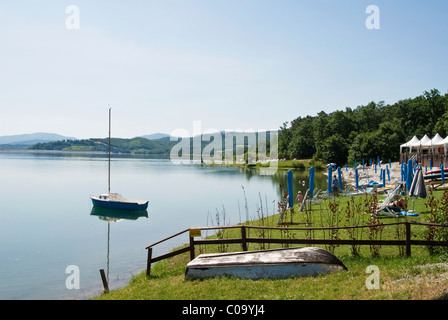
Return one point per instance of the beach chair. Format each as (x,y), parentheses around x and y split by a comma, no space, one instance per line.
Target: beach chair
(384,209)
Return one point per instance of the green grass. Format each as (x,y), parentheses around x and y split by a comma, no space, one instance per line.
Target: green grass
(401,277)
(168,283)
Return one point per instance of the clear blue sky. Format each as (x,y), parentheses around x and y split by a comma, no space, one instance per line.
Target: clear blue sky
(231,64)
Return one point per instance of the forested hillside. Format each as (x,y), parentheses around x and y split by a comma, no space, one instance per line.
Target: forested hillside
(366,132)
(140,145)
(159,147)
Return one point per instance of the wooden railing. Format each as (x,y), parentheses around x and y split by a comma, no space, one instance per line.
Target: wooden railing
(244,240)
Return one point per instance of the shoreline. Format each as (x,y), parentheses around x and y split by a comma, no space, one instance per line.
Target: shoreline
(49,151)
(80,152)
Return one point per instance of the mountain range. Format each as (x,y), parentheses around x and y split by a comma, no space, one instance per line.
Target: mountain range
(23,141)
(157,144)
(29,139)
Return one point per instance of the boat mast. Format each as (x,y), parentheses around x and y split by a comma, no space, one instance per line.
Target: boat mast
(108,180)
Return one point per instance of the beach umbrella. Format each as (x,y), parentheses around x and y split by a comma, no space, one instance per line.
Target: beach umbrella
(442,173)
(341,187)
(418,186)
(409,174)
(330,173)
(402,172)
(311,182)
(290,189)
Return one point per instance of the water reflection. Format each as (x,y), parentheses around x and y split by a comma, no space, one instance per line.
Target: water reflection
(301,179)
(111,215)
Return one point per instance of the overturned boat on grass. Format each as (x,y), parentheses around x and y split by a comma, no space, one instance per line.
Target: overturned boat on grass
(270,264)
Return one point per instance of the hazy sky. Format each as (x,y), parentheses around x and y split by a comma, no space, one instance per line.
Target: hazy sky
(231,64)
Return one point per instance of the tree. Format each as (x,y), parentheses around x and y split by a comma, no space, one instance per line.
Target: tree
(368,131)
(302,143)
(335,149)
(284,137)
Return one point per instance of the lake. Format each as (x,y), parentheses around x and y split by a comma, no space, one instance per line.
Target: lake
(48,225)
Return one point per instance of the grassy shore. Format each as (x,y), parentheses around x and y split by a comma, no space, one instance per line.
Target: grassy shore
(421,276)
(302,164)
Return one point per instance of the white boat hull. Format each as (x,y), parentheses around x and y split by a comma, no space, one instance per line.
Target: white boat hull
(271,264)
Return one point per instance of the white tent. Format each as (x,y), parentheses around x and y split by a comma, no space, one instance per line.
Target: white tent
(444,142)
(425,142)
(414,142)
(437,140)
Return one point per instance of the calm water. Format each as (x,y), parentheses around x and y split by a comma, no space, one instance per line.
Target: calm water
(47,222)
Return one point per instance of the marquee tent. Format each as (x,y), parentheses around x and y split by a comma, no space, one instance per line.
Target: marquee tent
(425,142)
(416,144)
(438,140)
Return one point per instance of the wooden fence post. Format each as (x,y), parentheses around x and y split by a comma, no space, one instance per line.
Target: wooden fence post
(408,239)
(148,262)
(105,284)
(192,255)
(243,238)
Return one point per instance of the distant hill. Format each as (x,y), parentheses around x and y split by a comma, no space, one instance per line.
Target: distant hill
(23,141)
(139,145)
(156,136)
(160,147)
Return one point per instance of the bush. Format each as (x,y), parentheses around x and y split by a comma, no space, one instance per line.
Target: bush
(298,165)
(438,214)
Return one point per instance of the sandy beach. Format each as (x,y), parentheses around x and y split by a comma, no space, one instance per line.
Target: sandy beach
(368,173)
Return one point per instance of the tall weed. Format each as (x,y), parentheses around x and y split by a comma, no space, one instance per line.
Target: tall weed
(438,213)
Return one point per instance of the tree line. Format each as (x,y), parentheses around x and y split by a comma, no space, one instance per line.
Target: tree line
(369,131)
(138,145)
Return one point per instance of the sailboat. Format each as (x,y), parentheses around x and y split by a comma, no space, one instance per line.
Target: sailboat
(115,200)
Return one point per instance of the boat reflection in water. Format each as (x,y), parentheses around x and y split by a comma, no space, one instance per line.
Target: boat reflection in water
(115,215)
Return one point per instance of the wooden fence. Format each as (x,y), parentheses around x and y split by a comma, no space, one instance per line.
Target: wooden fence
(245,240)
